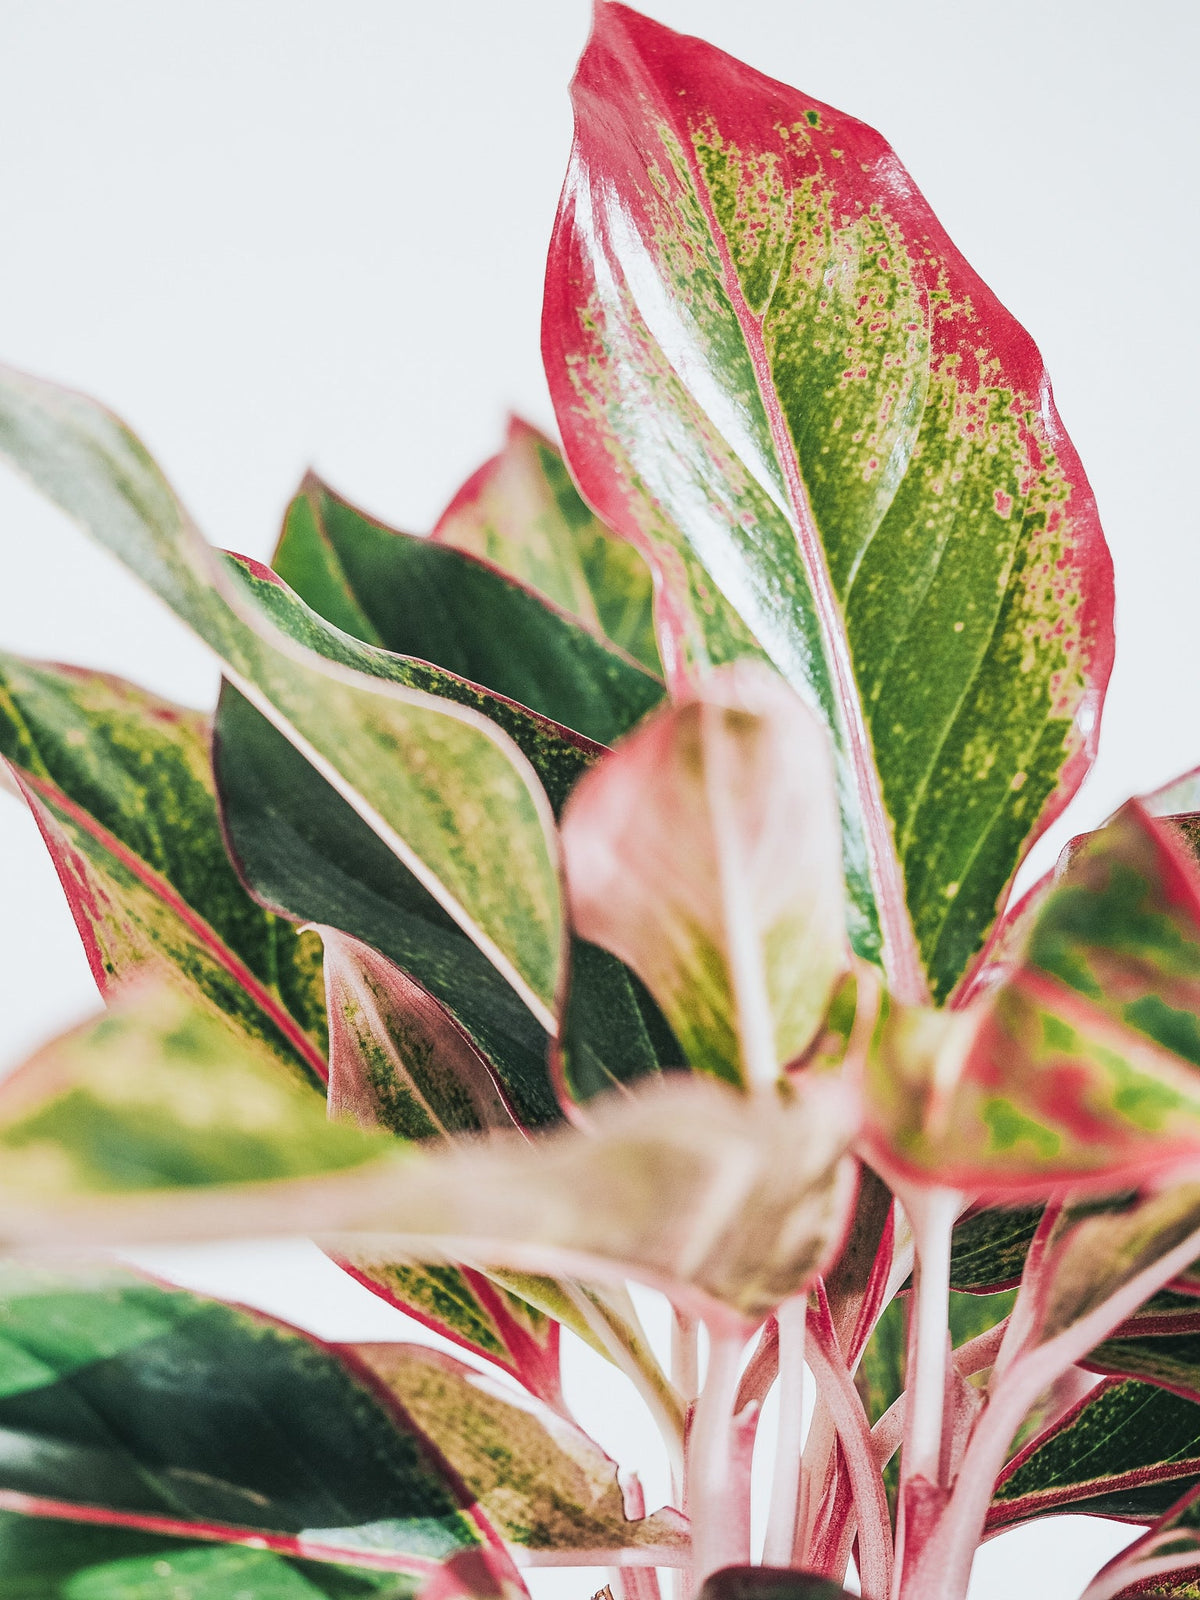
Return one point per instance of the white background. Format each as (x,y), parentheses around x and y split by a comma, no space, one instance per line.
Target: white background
(275,232)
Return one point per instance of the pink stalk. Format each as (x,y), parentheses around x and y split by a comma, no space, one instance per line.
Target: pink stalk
(932,1215)
(718,1497)
(635,1583)
(866,1482)
(941,1569)
(816,1475)
(785,1483)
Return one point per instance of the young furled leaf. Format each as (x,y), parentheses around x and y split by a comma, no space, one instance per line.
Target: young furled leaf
(176,1415)
(423,599)
(1085,1062)
(704,853)
(408,748)
(522,513)
(774,373)
(119,782)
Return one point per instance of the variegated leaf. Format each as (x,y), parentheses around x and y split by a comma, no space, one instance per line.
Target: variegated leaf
(423,599)
(1085,1062)
(543,1482)
(775,374)
(1164,1564)
(522,513)
(704,853)
(120,784)
(728,1203)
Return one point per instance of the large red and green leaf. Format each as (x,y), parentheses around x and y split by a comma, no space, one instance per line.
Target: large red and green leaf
(1085,1062)
(424,599)
(522,513)
(414,750)
(121,787)
(704,852)
(128,1402)
(776,376)
(1164,1564)
(1127,1450)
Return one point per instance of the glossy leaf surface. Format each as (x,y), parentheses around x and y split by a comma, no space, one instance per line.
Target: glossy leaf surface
(522,513)
(1084,1062)
(541,1480)
(431,773)
(774,374)
(181,1415)
(1127,1450)
(157,1094)
(704,852)
(424,599)
(303,851)
(44,1558)
(120,784)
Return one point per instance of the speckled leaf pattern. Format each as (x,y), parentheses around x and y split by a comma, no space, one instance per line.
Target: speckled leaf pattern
(775,374)
(176,1415)
(1127,1450)
(303,851)
(409,747)
(158,1094)
(704,852)
(120,784)
(1085,1061)
(397,1059)
(544,1483)
(45,1558)
(426,600)
(990,1246)
(522,513)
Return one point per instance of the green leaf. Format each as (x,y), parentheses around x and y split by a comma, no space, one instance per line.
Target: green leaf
(1082,1063)
(44,1558)
(990,1246)
(410,748)
(522,513)
(429,601)
(152,1405)
(302,850)
(1162,1563)
(775,374)
(1172,1361)
(157,1094)
(704,853)
(1127,1450)
(542,1481)
(121,786)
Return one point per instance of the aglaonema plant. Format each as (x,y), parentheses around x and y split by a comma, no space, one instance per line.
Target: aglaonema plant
(614,888)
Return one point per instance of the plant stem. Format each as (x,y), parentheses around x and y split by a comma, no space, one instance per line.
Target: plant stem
(932,1215)
(785,1481)
(718,1501)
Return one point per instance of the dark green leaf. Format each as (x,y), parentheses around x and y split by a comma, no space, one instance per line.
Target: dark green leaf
(426,600)
(990,1246)
(770,1583)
